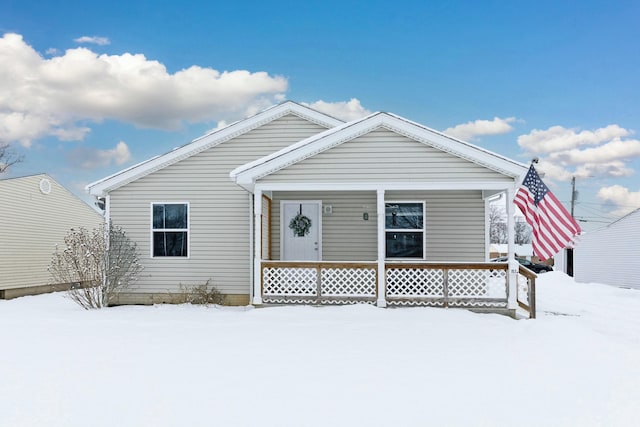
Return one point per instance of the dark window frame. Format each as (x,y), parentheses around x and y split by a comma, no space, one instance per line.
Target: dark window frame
(404,222)
(170,240)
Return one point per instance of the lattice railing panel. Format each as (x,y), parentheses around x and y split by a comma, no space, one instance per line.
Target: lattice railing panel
(523,289)
(289,281)
(478,304)
(415,282)
(348,282)
(497,284)
(468,283)
(419,285)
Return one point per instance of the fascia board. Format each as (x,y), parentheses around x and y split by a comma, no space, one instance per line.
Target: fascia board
(484,186)
(99,188)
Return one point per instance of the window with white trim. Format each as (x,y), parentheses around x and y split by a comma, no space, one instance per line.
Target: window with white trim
(170,229)
(404,229)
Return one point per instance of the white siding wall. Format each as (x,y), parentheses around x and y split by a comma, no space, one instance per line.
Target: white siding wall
(31,224)
(384,156)
(455,229)
(610,255)
(219,210)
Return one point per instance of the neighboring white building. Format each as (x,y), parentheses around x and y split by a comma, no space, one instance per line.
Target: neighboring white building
(292,205)
(611,254)
(35,214)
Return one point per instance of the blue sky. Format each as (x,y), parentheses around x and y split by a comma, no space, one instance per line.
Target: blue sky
(87,89)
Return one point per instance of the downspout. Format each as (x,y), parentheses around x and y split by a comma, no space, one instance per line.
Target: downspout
(107,238)
(251,243)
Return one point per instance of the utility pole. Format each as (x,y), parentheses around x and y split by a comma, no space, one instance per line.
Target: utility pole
(573,194)
(569,252)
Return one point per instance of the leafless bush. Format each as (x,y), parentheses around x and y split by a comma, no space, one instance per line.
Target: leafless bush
(204,294)
(97,264)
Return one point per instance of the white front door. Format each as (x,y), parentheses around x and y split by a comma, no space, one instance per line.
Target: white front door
(301,230)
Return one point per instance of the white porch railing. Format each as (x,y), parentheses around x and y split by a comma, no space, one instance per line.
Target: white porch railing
(527,291)
(318,282)
(469,285)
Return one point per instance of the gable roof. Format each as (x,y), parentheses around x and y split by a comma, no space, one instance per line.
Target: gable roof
(634,215)
(103,186)
(45,185)
(247,174)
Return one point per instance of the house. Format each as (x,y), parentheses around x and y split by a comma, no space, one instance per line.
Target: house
(292,205)
(35,215)
(610,254)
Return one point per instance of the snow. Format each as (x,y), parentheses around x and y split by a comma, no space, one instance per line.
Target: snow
(577,364)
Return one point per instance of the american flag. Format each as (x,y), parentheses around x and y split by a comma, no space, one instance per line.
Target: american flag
(553,227)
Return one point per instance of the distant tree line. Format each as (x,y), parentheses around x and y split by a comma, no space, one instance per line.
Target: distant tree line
(498,231)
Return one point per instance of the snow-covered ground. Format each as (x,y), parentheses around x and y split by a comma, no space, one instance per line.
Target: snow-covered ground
(578,364)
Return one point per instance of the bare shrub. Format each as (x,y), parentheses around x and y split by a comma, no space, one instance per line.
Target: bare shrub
(96,263)
(204,294)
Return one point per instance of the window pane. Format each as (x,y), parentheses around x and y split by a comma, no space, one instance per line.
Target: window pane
(158,216)
(404,216)
(175,216)
(404,245)
(170,243)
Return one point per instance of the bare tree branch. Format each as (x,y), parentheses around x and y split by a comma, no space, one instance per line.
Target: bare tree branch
(8,157)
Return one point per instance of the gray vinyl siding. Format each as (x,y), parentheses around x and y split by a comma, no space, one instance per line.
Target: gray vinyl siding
(219,210)
(455,228)
(384,156)
(345,235)
(32,224)
(610,255)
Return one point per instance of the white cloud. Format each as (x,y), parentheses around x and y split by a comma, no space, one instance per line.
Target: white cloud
(345,110)
(52,51)
(470,130)
(102,41)
(608,152)
(622,197)
(90,158)
(558,138)
(595,154)
(50,97)
(598,153)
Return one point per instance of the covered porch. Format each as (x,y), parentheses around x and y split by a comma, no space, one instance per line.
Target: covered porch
(349,257)
(386,211)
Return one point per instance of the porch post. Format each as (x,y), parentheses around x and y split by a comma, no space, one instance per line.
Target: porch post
(257,247)
(514,266)
(382,279)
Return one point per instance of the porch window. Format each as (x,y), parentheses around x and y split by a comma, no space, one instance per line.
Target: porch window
(170,229)
(404,229)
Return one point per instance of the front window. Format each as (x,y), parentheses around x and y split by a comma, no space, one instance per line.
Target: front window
(404,229)
(170,228)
